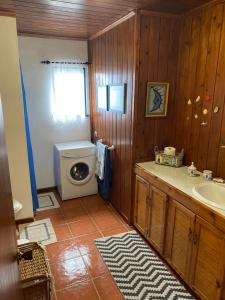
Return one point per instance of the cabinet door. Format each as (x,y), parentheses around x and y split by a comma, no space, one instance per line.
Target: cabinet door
(208,261)
(179,240)
(157,218)
(141,203)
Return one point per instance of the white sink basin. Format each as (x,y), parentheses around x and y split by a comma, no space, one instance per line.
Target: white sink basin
(211,193)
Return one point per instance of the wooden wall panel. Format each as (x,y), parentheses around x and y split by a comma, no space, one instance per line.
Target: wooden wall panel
(157,62)
(188,53)
(113,61)
(201,72)
(112,58)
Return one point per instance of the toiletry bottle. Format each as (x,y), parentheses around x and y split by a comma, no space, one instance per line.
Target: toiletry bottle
(192,170)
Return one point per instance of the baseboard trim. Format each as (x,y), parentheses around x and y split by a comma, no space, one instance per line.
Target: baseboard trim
(47,189)
(23,221)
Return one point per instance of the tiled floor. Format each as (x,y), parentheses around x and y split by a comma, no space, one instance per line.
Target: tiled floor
(78,270)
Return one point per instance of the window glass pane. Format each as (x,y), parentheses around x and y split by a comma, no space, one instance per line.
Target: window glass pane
(68,93)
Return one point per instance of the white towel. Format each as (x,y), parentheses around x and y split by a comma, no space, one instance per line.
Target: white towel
(100,161)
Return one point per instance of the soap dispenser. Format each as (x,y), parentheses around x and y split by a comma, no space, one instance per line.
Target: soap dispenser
(192,170)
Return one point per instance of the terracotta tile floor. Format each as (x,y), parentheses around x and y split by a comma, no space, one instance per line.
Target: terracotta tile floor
(78,269)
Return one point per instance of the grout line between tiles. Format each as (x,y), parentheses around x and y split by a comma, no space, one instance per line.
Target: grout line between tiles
(72,285)
(96,289)
(89,214)
(96,225)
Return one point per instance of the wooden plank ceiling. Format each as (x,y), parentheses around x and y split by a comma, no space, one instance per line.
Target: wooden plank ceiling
(82,18)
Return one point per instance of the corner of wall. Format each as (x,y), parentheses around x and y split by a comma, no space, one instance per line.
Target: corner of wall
(10,89)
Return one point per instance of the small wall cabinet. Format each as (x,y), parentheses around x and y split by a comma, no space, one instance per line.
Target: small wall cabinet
(193,247)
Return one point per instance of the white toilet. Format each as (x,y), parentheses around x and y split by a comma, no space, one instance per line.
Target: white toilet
(17,206)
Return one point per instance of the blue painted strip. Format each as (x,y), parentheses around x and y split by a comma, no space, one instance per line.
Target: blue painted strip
(29,148)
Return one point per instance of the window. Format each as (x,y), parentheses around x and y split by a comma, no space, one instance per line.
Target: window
(69,93)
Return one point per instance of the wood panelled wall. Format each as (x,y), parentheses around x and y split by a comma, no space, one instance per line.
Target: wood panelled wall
(189,53)
(201,72)
(112,58)
(158,54)
(149,44)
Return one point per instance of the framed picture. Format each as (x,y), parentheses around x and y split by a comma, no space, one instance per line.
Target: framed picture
(157,99)
(102,97)
(117,97)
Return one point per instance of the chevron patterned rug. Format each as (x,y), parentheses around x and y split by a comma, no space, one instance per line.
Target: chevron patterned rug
(138,272)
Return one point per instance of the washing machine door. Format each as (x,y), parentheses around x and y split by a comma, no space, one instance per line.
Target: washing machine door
(79,171)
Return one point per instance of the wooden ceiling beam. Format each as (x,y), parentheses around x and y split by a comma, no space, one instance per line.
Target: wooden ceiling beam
(67,5)
(28,16)
(35,24)
(199,8)
(83,13)
(52,25)
(51,36)
(109,27)
(7,13)
(158,14)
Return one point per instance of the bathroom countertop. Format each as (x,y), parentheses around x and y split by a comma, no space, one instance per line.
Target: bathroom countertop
(178,178)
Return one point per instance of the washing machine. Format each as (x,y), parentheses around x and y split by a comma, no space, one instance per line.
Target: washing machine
(75,164)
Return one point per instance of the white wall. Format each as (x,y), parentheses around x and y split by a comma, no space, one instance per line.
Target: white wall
(10,90)
(44,132)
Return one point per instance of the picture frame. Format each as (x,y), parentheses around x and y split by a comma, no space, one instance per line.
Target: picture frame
(157,99)
(102,97)
(117,97)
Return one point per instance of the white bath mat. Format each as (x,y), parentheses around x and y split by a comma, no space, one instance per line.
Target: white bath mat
(47,201)
(39,231)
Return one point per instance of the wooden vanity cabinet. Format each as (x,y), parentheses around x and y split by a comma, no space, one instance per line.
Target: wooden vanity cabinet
(180,231)
(196,251)
(157,215)
(194,247)
(141,204)
(208,261)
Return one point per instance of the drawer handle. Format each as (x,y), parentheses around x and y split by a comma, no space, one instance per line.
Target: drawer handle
(218,284)
(195,239)
(190,234)
(148,200)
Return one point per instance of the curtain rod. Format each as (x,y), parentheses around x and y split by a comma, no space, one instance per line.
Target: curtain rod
(47,62)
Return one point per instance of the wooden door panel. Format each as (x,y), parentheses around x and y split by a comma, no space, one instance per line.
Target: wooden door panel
(179,241)
(141,208)
(9,275)
(208,261)
(157,218)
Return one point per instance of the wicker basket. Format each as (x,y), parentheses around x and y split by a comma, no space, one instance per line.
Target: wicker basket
(35,273)
(169,160)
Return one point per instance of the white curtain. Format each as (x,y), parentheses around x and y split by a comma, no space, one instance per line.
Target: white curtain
(68,93)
